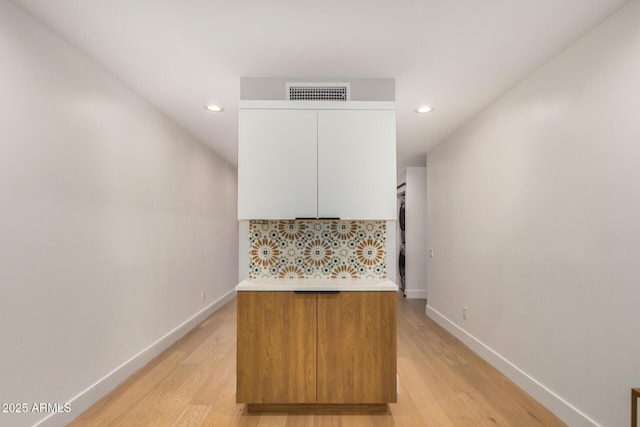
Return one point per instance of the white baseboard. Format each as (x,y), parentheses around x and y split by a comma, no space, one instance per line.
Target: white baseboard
(103,386)
(419,294)
(556,404)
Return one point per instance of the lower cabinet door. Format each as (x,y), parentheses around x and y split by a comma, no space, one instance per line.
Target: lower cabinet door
(276,355)
(357,347)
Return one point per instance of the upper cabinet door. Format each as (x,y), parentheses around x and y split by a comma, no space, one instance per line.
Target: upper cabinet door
(357,164)
(277,164)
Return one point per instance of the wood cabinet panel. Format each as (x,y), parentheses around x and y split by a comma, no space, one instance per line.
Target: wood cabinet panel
(357,347)
(276,355)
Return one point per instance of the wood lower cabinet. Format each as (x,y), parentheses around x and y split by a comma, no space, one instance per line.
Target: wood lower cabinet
(315,348)
(357,347)
(276,353)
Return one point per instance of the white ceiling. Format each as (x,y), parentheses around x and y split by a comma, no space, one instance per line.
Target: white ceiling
(458,55)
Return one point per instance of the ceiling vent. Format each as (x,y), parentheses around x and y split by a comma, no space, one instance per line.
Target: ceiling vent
(318,91)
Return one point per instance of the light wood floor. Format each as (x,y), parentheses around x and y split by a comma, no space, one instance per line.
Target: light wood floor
(443,383)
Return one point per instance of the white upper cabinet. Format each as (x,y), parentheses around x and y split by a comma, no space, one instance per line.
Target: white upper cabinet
(277,164)
(357,164)
(317,163)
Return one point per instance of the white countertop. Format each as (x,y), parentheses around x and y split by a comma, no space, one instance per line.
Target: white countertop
(317,285)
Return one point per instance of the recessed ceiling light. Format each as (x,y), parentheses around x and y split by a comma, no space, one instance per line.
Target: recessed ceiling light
(214,108)
(424,109)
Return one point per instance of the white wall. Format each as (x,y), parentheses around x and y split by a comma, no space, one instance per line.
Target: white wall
(274,88)
(534,215)
(416,233)
(391,250)
(112,222)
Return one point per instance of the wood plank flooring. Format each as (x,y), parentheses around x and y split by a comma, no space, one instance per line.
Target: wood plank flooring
(443,383)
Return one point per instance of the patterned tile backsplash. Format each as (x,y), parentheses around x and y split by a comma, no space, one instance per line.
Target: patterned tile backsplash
(317,249)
